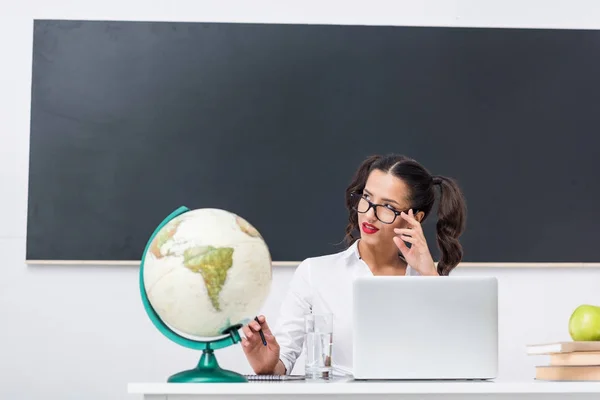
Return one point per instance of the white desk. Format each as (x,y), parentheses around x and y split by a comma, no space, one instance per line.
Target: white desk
(381,390)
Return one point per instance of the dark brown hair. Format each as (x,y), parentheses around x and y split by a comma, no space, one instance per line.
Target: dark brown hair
(451,211)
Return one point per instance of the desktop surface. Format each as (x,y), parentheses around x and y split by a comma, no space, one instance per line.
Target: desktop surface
(350,386)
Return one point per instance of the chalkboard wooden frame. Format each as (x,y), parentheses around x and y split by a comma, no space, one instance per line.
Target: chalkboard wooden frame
(134,263)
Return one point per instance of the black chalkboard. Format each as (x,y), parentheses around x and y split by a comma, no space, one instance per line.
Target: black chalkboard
(130,120)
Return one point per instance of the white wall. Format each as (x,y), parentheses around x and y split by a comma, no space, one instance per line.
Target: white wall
(44,311)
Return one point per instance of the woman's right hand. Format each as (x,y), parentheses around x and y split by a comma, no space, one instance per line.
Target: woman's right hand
(263,359)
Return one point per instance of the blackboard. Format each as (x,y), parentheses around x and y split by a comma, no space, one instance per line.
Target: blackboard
(130,120)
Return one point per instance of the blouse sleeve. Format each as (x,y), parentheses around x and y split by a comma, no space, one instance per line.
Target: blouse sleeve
(289,329)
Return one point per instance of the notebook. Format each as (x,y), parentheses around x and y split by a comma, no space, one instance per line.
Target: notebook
(255,378)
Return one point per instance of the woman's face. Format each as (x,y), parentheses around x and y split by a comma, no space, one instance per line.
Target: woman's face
(390,192)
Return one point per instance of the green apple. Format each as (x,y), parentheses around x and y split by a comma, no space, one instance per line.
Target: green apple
(584,324)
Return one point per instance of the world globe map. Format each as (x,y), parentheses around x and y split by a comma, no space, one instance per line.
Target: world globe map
(205,271)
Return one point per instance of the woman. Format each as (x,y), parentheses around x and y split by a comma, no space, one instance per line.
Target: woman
(387,200)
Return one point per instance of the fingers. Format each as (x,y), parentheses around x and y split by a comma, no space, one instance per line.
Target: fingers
(409,239)
(263,325)
(248,332)
(406,231)
(245,343)
(271,341)
(410,217)
(254,326)
(409,235)
(413,236)
(251,330)
(270,338)
(401,245)
(251,339)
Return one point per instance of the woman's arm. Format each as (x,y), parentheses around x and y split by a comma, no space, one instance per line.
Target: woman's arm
(289,330)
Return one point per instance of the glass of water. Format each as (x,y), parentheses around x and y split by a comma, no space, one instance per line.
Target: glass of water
(318,329)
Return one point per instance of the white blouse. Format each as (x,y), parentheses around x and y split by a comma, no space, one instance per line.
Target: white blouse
(324,285)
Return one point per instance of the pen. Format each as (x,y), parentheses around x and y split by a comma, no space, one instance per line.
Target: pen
(262,335)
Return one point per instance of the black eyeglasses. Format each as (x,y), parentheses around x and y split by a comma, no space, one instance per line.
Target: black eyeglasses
(383,212)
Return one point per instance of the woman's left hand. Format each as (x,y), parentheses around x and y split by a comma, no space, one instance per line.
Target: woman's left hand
(418,255)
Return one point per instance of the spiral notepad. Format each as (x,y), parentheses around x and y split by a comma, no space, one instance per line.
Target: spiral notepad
(264,378)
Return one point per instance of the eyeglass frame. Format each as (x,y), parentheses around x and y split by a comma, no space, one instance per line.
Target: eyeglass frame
(374,206)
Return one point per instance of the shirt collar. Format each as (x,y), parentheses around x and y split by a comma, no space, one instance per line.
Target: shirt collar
(352,251)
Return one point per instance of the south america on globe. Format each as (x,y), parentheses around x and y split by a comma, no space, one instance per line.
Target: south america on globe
(212,263)
(205,271)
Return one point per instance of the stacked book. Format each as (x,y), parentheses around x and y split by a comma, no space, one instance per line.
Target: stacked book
(569,361)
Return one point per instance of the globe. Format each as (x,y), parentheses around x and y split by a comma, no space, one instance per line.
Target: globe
(204,274)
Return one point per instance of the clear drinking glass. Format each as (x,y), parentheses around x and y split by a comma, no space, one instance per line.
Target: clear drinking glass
(318,342)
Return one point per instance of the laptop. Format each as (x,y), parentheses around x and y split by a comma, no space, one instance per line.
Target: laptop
(425,328)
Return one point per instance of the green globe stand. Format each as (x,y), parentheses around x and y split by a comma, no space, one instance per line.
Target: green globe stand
(208,369)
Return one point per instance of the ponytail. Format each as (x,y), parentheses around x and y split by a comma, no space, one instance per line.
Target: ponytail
(451,223)
(357,185)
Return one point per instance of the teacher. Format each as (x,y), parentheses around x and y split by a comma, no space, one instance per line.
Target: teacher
(387,200)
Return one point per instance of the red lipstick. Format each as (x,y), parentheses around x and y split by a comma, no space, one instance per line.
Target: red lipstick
(368,228)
